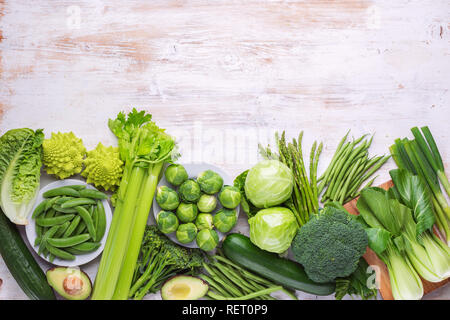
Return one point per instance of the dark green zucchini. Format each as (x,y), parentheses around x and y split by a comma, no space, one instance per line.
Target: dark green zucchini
(21,263)
(239,249)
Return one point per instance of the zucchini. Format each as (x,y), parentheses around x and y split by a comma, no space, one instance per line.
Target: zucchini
(21,263)
(239,249)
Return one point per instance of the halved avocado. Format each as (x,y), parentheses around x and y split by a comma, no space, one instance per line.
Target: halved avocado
(184,288)
(70,283)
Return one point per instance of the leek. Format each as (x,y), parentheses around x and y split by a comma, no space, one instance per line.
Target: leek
(422,158)
(144,148)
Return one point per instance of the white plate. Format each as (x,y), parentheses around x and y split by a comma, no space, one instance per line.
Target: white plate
(79,259)
(193,171)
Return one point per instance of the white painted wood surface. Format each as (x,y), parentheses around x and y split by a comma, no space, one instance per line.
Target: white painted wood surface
(223,75)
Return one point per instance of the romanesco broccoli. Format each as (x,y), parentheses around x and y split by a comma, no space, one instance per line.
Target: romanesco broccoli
(103,167)
(63,155)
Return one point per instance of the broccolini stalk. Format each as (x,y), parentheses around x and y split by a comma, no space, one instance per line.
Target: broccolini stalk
(159,260)
(143,148)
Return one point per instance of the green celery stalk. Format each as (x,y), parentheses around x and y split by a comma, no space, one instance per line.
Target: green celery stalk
(137,234)
(110,270)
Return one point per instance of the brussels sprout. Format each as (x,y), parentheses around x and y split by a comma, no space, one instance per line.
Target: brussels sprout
(190,191)
(186,233)
(176,174)
(167,198)
(187,212)
(204,221)
(273,229)
(269,184)
(210,182)
(207,239)
(230,197)
(207,203)
(225,220)
(167,222)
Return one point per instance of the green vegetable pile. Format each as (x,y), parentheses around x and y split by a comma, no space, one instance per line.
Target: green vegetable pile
(190,211)
(159,260)
(70,221)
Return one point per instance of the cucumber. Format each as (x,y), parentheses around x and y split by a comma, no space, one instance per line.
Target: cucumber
(239,249)
(21,263)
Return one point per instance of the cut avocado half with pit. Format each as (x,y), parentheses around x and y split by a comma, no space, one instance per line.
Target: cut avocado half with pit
(70,283)
(184,288)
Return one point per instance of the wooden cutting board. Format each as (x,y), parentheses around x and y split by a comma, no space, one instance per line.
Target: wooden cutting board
(383,274)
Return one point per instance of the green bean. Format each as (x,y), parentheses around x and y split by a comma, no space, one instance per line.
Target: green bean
(246,297)
(69,242)
(93,194)
(67,210)
(51,258)
(62,229)
(50,222)
(333,160)
(214,285)
(77,202)
(62,191)
(64,255)
(87,220)
(40,209)
(87,246)
(101,221)
(73,225)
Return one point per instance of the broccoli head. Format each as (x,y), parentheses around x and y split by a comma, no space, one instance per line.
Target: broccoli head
(330,245)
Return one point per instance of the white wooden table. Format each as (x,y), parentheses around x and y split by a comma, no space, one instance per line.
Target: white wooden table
(224,75)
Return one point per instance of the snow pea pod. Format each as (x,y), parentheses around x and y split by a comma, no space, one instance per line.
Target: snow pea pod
(68,242)
(62,229)
(87,247)
(62,191)
(60,253)
(64,210)
(77,202)
(50,203)
(87,220)
(61,200)
(40,209)
(93,194)
(101,222)
(73,225)
(77,187)
(55,221)
(50,233)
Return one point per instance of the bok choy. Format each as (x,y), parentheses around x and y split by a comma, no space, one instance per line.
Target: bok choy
(144,148)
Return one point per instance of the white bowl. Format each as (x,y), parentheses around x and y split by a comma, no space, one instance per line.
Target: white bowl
(193,171)
(30,228)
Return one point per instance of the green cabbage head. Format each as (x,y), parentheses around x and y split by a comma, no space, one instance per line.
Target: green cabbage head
(269,184)
(20,172)
(273,229)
